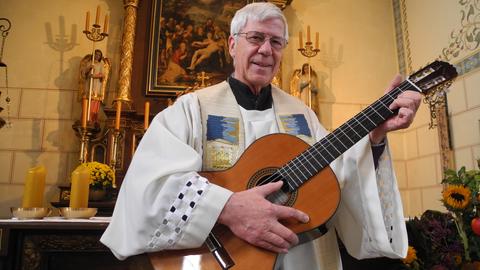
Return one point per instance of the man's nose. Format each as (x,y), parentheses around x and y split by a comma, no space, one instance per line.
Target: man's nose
(265,48)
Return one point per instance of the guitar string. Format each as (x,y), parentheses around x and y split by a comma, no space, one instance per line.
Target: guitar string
(308,153)
(370,111)
(287,168)
(292,166)
(360,115)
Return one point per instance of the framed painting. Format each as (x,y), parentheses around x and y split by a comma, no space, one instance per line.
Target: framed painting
(188,44)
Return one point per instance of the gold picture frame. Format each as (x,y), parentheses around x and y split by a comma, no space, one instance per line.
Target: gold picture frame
(188,38)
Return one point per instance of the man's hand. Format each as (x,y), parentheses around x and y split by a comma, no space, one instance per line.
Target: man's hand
(407,104)
(254,219)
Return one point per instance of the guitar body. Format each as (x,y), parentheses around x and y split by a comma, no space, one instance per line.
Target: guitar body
(319,198)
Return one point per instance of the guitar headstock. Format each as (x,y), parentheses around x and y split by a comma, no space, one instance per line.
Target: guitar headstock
(436,76)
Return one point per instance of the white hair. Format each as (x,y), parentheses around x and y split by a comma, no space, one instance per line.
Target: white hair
(260,11)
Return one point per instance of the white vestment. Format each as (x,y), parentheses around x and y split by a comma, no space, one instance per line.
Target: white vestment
(164,204)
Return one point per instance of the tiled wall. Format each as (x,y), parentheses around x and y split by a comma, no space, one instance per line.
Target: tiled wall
(420,158)
(43,90)
(416,150)
(41,133)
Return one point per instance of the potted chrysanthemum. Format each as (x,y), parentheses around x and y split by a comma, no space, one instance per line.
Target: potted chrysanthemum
(101,179)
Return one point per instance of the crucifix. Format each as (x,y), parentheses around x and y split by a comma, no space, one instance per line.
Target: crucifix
(202,77)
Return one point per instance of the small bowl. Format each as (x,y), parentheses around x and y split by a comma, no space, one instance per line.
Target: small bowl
(30,212)
(69,213)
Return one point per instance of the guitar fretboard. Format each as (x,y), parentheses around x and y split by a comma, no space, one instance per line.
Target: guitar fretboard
(297,171)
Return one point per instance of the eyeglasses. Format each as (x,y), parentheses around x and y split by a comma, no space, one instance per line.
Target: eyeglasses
(258,38)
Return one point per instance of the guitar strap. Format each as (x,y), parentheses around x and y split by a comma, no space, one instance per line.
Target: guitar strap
(223,130)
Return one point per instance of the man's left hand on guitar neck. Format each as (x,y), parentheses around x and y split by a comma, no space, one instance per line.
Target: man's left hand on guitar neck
(406,104)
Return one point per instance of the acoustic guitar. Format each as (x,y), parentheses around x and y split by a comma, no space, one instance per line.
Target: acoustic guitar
(309,183)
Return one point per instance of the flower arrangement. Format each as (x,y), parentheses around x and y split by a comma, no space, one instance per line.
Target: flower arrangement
(449,240)
(101,175)
(461,198)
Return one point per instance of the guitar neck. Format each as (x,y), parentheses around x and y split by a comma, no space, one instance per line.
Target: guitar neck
(321,154)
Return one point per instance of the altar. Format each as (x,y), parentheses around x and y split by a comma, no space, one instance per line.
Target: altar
(57,243)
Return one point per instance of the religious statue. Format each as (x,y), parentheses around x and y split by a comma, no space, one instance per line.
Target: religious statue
(294,88)
(304,85)
(93,81)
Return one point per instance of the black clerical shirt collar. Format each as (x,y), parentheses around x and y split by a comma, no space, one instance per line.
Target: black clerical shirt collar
(247,99)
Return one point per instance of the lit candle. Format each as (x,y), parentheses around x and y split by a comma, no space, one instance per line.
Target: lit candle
(87,21)
(84,112)
(118,115)
(97,18)
(147,114)
(316,40)
(308,33)
(300,38)
(105,25)
(34,187)
(80,188)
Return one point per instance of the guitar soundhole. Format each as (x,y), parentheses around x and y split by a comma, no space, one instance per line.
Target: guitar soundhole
(267,175)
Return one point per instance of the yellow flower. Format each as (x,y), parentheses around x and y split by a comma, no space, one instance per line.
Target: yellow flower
(458,259)
(456,196)
(101,174)
(411,255)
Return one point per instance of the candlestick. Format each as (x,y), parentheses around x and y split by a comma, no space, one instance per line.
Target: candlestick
(308,33)
(97,18)
(105,24)
(80,188)
(147,115)
(34,187)
(118,115)
(316,40)
(300,38)
(84,112)
(87,21)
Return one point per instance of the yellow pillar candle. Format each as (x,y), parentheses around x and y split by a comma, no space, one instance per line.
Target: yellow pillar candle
(300,39)
(146,119)
(118,115)
(87,21)
(105,24)
(34,187)
(308,33)
(80,187)
(97,17)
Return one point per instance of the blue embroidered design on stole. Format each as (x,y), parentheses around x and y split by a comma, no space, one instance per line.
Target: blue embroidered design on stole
(295,124)
(223,128)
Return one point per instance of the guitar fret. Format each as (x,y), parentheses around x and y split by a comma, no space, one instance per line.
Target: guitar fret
(366,116)
(366,129)
(320,153)
(313,157)
(373,108)
(352,129)
(346,135)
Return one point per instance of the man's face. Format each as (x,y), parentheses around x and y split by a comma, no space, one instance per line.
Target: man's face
(256,65)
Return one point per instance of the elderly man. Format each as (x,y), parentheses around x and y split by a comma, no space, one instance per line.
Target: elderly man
(164,203)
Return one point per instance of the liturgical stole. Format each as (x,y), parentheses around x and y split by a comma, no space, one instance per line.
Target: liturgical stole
(223,131)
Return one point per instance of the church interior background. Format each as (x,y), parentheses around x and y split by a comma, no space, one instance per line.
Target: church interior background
(363,44)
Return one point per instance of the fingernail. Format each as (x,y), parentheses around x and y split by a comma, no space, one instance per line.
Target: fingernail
(305,218)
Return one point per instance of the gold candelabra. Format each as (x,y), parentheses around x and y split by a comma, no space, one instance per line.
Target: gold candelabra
(307,50)
(86,130)
(94,33)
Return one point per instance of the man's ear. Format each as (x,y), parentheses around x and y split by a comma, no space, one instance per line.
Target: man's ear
(231,46)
